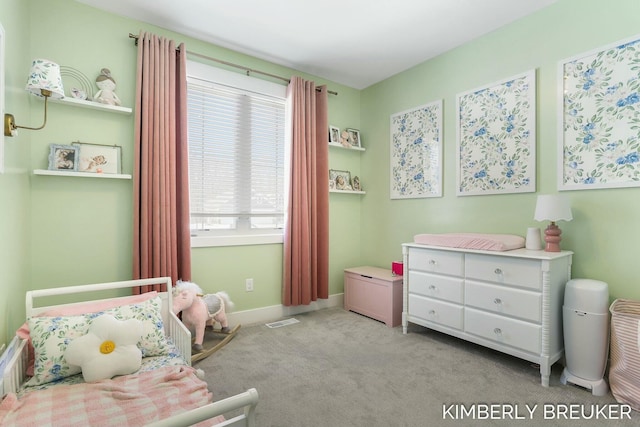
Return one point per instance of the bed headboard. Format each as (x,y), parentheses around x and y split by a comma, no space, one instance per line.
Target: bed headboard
(33,309)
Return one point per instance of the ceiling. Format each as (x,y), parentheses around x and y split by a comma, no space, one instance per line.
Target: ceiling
(356,43)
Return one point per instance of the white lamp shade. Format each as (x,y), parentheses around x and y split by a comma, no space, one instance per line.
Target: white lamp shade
(553,207)
(45,74)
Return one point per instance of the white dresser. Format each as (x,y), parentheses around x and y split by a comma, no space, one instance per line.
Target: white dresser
(509,301)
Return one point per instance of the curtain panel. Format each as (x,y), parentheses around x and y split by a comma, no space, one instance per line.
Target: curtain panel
(161,239)
(306,235)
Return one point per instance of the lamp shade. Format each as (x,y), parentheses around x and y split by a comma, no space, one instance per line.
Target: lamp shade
(553,207)
(45,74)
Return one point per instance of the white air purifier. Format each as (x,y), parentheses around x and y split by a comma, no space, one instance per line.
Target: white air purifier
(586,334)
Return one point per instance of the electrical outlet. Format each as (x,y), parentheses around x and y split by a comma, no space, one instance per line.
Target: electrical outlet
(249,285)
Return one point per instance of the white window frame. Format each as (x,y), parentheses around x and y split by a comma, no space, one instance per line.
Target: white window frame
(232,79)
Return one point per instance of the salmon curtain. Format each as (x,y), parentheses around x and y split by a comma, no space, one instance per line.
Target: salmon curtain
(306,235)
(161,239)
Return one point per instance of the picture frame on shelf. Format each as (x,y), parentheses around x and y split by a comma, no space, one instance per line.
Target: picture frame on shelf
(356,184)
(354,138)
(340,180)
(98,158)
(63,157)
(334,135)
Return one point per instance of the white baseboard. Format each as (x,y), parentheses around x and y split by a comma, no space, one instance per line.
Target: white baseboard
(275,312)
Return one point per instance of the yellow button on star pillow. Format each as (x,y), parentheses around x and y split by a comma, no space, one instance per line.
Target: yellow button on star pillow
(108,349)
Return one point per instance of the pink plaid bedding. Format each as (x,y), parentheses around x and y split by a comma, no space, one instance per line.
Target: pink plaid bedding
(130,400)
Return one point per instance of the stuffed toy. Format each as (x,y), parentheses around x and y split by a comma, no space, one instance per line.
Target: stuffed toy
(200,310)
(108,349)
(107,86)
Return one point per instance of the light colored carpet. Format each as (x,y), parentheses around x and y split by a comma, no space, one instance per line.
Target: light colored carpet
(337,368)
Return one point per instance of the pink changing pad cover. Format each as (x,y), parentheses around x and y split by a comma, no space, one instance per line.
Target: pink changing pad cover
(486,242)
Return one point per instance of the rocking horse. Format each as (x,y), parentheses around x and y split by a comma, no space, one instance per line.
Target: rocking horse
(199,312)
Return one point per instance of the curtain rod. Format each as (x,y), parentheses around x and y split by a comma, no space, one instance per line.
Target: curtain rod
(231,64)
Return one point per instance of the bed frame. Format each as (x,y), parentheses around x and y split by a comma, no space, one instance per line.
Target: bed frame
(14,374)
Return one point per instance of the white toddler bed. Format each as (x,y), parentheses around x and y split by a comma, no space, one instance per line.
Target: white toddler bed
(39,387)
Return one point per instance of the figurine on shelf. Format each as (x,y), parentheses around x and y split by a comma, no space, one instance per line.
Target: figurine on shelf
(107,86)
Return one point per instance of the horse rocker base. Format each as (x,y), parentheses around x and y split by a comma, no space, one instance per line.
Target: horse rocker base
(212,343)
(200,311)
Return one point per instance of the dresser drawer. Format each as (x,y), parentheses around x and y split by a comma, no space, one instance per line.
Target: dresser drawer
(440,262)
(503,330)
(436,311)
(500,269)
(435,286)
(504,300)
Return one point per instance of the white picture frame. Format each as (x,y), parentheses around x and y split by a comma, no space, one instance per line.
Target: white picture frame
(416,152)
(599,118)
(354,138)
(334,135)
(496,137)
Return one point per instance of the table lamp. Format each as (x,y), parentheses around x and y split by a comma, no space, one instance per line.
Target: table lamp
(552,207)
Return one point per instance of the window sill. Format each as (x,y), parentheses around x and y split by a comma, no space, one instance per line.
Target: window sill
(212,241)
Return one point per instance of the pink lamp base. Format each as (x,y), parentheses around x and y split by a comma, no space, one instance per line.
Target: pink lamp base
(552,238)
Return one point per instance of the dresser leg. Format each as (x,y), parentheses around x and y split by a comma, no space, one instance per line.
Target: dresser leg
(404,322)
(545,373)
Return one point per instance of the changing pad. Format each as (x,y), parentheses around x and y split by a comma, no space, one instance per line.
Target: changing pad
(487,242)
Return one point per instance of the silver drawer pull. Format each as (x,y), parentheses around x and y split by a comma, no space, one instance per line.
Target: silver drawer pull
(497,301)
(432,262)
(432,312)
(497,271)
(432,287)
(497,331)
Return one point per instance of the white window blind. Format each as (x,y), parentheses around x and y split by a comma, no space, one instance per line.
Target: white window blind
(236,159)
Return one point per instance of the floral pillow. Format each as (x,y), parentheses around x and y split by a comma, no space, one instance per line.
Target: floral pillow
(76,310)
(51,336)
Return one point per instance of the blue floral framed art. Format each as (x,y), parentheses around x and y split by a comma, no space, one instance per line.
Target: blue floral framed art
(416,152)
(496,137)
(599,127)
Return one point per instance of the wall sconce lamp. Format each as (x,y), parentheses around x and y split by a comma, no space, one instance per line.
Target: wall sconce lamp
(44,81)
(553,207)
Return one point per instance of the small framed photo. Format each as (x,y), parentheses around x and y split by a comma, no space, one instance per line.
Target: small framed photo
(354,138)
(355,184)
(334,135)
(340,180)
(63,158)
(98,158)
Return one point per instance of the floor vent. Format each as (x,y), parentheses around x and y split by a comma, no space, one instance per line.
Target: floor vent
(281,323)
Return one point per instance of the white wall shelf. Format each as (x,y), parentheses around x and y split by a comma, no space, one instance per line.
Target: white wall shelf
(93,105)
(347,191)
(81,174)
(336,145)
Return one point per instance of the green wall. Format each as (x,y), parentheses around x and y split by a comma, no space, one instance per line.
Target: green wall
(57,231)
(66,230)
(14,183)
(604,233)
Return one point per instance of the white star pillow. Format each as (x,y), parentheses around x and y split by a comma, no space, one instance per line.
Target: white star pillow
(108,349)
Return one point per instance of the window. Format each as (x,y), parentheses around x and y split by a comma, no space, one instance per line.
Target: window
(236,133)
